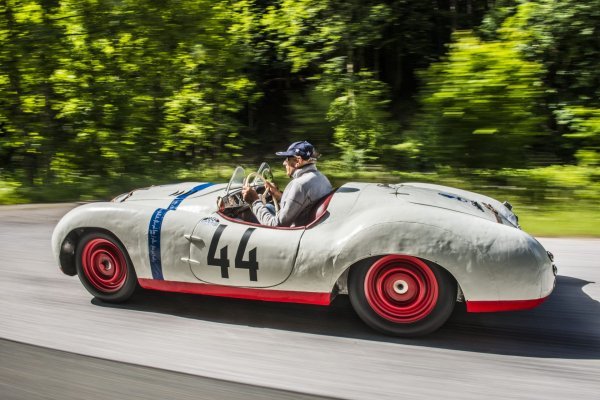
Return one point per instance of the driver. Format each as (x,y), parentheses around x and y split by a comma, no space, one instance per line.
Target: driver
(306,188)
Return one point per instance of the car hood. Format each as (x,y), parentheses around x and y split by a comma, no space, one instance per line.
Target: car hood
(169,192)
(456,200)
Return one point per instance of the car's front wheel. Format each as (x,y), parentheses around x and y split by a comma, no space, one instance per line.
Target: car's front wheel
(402,295)
(104,267)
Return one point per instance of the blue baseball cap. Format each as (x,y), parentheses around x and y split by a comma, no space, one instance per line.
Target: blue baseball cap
(302,149)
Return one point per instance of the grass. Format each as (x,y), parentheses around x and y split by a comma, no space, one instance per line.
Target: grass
(576,222)
(9,193)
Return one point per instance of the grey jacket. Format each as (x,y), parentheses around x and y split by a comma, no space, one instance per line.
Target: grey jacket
(307,186)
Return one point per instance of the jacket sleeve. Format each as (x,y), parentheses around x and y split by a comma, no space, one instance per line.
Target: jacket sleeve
(290,209)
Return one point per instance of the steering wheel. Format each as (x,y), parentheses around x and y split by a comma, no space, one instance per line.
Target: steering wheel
(254,176)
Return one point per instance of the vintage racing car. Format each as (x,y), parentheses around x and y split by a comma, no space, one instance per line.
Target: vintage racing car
(404,253)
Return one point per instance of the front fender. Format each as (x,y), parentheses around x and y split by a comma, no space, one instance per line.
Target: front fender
(126,223)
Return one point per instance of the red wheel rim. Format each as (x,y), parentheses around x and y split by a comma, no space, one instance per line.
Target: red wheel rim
(401,289)
(104,265)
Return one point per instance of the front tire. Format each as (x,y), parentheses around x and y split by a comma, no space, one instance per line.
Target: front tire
(402,295)
(104,267)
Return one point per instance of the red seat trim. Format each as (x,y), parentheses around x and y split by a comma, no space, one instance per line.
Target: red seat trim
(321,209)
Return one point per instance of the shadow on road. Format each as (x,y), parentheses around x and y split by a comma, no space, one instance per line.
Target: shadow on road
(565,326)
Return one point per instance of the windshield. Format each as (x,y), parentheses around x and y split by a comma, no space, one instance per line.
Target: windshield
(265,171)
(237,180)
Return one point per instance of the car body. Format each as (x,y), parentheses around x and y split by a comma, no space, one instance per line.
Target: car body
(399,251)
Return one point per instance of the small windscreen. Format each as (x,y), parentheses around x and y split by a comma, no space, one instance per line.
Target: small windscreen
(237,180)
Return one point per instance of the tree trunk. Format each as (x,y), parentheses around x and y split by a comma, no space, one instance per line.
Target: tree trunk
(453,14)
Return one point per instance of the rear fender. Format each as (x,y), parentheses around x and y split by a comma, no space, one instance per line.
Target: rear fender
(459,257)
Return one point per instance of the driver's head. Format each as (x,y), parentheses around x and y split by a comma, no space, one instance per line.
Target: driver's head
(298,155)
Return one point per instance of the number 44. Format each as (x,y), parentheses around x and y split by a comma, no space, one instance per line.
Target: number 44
(223,261)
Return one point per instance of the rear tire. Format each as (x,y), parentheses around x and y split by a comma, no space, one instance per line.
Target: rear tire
(104,267)
(402,295)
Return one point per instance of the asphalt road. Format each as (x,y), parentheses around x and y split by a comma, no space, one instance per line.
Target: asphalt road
(57,342)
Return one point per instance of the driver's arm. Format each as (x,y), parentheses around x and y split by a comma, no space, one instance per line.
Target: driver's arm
(292,203)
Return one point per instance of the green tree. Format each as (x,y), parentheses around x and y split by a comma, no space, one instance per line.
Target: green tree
(30,130)
(101,87)
(156,81)
(563,37)
(357,111)
(328,38)
(566,39)
(480,105)
(583,124)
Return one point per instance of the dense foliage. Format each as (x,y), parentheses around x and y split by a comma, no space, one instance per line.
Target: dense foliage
(98,88)
(481,104)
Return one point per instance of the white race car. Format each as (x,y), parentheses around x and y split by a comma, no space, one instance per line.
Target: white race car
(404,253)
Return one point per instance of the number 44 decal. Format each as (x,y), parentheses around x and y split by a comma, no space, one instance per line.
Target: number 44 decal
(223,261)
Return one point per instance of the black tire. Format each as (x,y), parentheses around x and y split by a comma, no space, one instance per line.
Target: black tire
(402,295)
(104,267)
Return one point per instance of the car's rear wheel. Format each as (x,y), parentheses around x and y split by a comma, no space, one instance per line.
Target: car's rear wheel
(402,295)
(104,267)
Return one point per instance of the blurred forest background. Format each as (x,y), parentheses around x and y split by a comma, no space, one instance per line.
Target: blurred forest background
(502,97)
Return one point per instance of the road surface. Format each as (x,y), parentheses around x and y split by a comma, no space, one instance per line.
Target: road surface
(57,342)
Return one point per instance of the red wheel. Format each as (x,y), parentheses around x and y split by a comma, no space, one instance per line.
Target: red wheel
(402,295)
(401,289)
(104,267)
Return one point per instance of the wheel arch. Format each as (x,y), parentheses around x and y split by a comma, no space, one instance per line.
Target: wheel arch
(69,245)
(341,283)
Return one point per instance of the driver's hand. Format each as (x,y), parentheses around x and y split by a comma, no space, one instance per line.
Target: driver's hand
(275,192)
(249,194)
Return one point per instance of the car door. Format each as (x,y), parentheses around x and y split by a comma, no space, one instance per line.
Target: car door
(236,254)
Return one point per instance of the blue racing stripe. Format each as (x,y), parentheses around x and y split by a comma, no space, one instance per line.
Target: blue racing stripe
(154,242)
(155,227)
